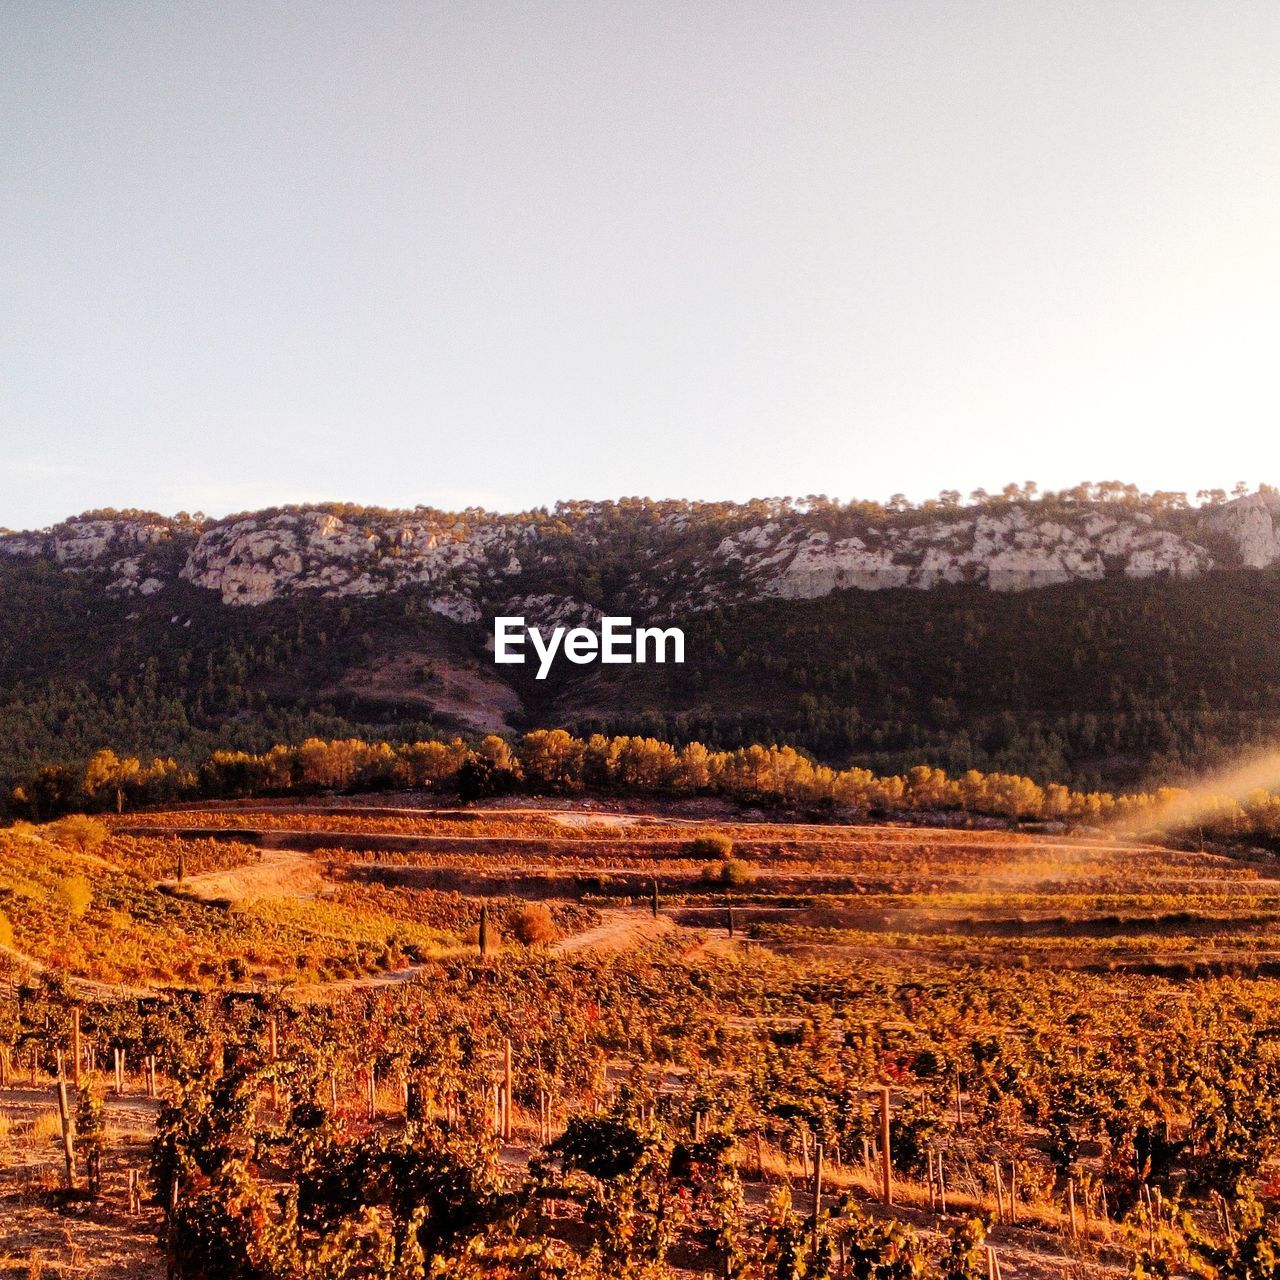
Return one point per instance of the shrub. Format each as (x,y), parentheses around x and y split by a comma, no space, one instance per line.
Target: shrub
(965,1254)
(75,893)
(732,873)
(533,925)
(603,1146)
(6,931)
(78,831)
(90,1130)
(715,845)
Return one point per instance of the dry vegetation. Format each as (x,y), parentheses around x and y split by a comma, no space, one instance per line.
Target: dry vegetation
(122,913)
(1100,1014)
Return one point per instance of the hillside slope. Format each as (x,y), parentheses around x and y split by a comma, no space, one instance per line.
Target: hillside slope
(1107,678)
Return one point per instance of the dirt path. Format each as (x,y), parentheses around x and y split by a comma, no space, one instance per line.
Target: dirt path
(88,987)
(92,1240)
(133,1111)
(286,873)
(320,992)
(619,930)
(278,873)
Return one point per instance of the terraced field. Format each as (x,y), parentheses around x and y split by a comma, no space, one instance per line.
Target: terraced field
(675,1009)
(1079,901)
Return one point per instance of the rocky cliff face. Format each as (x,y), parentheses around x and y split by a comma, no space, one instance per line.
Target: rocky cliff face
(663,562)
(121,546)
(1252,523)
(1007,552)
(255,560)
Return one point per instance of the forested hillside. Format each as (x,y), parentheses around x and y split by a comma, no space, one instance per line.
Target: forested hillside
(1110,683)
(1117,682)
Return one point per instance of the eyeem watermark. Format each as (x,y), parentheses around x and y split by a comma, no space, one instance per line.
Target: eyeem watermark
(615,642)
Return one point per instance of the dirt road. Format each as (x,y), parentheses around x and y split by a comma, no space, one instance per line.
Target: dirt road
(619,930)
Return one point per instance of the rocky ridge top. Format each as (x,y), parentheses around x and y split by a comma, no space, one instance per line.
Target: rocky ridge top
(669,558)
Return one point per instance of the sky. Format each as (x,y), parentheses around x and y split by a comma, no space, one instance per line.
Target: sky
(501,254)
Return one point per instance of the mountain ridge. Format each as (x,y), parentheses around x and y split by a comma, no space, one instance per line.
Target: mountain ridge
(662,558)
(1149,649)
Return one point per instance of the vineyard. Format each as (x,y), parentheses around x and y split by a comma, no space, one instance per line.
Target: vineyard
(312,1040)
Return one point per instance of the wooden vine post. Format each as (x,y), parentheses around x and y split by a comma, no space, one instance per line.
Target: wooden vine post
(484,930)
(119,1052)
(372,1087)
(655,897)
(506,1090)
(68,1134)
(886,1158)
(75,1046)
(273,1034)
(817,1196)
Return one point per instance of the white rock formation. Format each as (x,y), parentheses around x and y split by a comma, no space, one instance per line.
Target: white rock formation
(551,611)
(85,542)
(468,561)
(255,560)
(1005,552)
(455,608)
(1253,524)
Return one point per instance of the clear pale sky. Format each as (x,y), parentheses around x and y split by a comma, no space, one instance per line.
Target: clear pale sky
(505,253)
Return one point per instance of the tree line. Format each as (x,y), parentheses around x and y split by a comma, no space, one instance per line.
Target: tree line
(554,761)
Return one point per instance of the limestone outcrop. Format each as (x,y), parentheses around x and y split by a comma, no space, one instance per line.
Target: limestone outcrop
(83,543)
(1253,524)
(659,561)
(1007,552)
(253,560)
